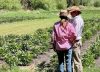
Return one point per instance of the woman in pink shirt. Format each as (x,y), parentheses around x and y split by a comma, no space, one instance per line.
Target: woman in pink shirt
(63,38)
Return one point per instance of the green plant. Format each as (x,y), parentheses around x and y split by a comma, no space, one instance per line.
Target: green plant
(37,4)
(61,4)
(97,3)
(12,16)
(20,49)
(10,5)
(95,48)
(91,54)
(85,2)
(88,59)
(6,68)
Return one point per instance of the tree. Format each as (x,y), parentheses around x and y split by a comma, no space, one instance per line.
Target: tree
(74,2)
(81,2)
(69,3)
(26,4)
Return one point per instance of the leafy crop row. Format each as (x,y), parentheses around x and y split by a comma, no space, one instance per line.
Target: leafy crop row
(20,50)
(22,15)
(92,53)
(87,59)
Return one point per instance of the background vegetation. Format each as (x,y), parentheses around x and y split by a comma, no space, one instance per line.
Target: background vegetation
(43,4)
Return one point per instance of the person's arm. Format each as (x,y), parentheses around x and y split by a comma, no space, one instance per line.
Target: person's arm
(72,34)
(79,28)
(53,39)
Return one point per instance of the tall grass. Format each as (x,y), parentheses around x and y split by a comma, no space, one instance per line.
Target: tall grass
(12,16)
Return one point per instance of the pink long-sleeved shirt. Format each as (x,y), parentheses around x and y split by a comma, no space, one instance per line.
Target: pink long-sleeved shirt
(62,36)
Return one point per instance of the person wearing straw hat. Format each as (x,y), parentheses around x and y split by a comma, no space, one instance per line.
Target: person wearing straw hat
(63,38)
(78,23)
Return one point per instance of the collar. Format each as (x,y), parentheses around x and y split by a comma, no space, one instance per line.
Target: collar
(76,16)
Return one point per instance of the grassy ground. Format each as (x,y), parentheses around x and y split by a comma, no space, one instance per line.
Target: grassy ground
(14,69)
(93,69)
(25,27)
(17,69)
(29,26)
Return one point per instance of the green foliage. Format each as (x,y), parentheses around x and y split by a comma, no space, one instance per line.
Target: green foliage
(61,4)
(92,53)
(95,48)
(88,59)
(35,4)
(12,16)
(48,4)
(10,4)
(22,15)
(40,4)
(91,69)
(6,68)
(97,3)
(90,28)
(88,34)
(85,2)
(19,50)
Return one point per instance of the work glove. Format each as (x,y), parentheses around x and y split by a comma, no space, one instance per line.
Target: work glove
(79,43)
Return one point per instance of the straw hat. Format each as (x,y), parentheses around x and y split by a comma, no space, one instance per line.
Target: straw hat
(63,13)
(74,8)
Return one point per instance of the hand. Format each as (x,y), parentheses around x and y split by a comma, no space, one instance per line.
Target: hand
(54,47)
(79,43)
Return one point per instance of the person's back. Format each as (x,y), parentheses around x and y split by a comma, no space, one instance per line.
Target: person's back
(78,23)
(63,37)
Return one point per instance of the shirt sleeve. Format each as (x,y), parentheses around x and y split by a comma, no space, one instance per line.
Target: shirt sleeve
(79,28)
(72,31)
(53,35)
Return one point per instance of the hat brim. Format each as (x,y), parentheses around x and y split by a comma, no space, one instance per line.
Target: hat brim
(74,11)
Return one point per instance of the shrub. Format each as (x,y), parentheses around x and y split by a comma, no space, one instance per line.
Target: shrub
(92,53)
(10,4)
(85,2)
(20,50)
(95,48)
(88,34)
(60,4)
(97,3)
(40,4)
(22,15)
(88,59)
